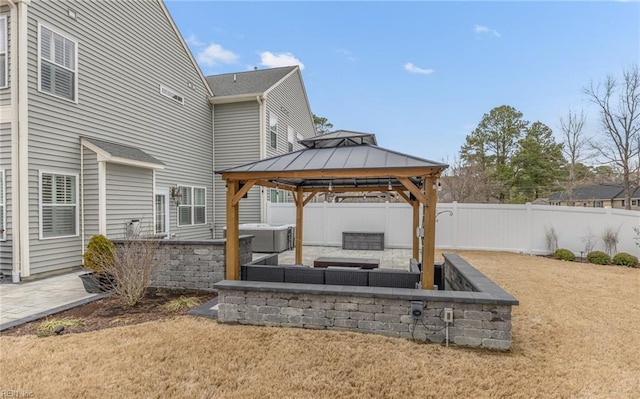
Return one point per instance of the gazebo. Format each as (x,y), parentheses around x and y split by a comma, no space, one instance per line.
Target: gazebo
(339,162)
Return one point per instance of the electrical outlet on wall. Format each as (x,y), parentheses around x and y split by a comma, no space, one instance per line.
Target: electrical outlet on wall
(447,315)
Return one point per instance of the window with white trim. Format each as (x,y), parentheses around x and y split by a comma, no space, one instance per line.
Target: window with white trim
(273,129)
(291,134)
(58,66)
(3,52)
(634,202)
(172,94)
(3,213)
(58,205)
(192,209)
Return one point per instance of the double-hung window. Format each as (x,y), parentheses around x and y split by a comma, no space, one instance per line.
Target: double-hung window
(192,208)
(3,51)
(58,205)
(3,217)
(273,129)
(58,66)
(291,136)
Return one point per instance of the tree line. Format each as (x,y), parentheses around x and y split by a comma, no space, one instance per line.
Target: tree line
(508,159)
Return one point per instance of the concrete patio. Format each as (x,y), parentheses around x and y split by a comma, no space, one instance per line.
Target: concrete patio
(31,300)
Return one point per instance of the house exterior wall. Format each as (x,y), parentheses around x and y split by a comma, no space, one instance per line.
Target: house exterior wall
(237,141)
(126,50)
(5,165)
(129,197)
(289,102)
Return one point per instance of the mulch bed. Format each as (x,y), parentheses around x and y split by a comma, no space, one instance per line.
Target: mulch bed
(110,312)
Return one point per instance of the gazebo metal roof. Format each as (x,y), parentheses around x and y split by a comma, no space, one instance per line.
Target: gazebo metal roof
(340,138)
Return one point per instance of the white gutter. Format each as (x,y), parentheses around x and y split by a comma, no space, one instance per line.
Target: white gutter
(236,98)
(82,199)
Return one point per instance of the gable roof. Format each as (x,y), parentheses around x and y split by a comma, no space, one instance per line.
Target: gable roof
(340,138)
(249,82)
(590,193)
(635,193)
(119,153)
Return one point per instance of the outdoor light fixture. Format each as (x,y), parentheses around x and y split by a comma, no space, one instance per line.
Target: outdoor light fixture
(389,186)
(330,185)
(175,194)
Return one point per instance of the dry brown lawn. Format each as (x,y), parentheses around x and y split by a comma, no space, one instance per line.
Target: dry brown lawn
(576,334)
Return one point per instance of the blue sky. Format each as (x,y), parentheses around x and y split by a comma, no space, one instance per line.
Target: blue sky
(422,74)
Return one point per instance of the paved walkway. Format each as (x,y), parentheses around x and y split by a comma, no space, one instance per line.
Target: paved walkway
(27,301)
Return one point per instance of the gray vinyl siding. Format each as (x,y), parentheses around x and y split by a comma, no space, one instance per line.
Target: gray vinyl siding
(5,93)
(5,165)
(289,94)
(129,197)
(89,187)
(126,50)
(237,141)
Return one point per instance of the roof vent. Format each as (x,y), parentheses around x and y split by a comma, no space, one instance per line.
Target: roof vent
(234,78)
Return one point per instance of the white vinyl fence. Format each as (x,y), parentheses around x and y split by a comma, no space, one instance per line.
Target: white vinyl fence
(495,227)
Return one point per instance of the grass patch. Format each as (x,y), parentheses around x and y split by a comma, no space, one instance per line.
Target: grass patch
(576,334)
(182,303)
(49,326)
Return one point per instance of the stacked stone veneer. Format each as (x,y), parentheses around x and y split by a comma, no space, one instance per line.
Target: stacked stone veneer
(481,319)
(194,264)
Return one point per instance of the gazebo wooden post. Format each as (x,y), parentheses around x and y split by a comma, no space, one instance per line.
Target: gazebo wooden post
(415,205)
(299,197)
(429,238)
(233,250)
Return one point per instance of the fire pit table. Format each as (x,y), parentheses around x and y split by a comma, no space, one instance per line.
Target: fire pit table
(326,261)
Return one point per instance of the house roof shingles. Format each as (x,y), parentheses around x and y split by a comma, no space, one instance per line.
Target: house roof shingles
(590,192)
(249,82)
(123,151)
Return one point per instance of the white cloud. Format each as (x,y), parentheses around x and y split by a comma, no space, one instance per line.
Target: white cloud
(193,40)
(214,54)
(481,29)
(409,67)
(348,54)
(271,60)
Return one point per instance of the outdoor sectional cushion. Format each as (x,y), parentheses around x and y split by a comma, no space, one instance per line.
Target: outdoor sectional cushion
(274,274)
(346,276)
(303,274)
(393,278)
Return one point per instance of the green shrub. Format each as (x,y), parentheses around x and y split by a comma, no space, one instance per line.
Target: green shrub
(564,254)
(625,259)
(100,254)
(598,258)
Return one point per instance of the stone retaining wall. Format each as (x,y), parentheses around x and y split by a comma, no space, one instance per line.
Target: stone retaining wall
(194,264)
(481,319)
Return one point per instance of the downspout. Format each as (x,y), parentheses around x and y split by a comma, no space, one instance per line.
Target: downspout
(212,225)
(82,239)
(23,138)
(263,155)
(13,110)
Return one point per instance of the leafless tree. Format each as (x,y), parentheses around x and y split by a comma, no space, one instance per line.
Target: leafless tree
(575,145)
(463,183)
(619,107)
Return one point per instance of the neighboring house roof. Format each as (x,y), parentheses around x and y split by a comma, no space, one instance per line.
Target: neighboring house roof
(340,138)
(340,157)
(635,193)
(119,153)
(590,192)
(250,82)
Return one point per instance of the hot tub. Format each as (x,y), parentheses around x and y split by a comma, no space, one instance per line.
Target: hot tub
(269,237)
